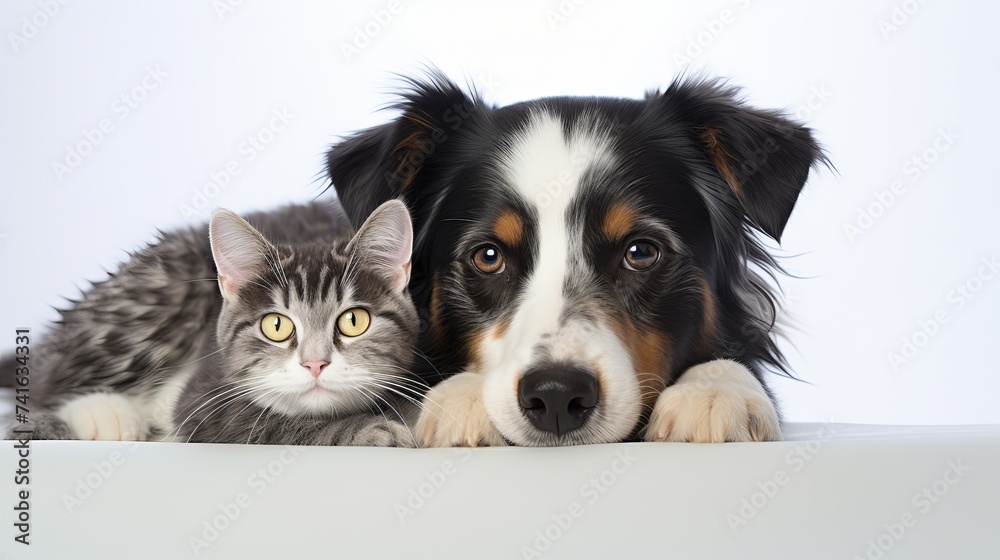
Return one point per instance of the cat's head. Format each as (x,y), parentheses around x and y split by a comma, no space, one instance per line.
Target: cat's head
(316,328)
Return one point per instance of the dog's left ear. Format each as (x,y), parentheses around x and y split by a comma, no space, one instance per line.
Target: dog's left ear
(389,161)
(763,157)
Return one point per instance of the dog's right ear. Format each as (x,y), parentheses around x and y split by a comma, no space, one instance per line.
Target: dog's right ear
(388,161)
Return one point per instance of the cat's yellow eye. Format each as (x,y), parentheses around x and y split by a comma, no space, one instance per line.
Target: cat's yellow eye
(277,327)
(353,322)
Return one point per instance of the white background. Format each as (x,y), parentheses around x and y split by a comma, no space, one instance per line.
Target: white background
(876,97)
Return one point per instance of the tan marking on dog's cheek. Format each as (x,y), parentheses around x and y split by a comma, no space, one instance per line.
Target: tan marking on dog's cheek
(508,228)
(474,350)
(618,221)
(650,353)
(498,332)
(435,319)
(709,327)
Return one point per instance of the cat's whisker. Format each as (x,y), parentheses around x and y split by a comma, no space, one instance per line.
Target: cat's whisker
(417,391)
(422,405)
(384,382)
(223,387)
(398,391)
(402,419)
(427,359)
(233,399)
(222,390)
(249,403)
(218,406)
(189,363)
(265,409)
(239,389)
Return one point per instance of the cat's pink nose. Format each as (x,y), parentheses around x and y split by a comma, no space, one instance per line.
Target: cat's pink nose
(315,367)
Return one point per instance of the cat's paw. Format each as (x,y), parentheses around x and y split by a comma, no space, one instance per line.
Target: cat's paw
(377,431)
(104,416)
(40,426)
(714,402)
(453,415)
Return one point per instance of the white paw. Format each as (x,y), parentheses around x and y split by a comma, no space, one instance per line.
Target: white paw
(714,402)
(104,416)
(453,415)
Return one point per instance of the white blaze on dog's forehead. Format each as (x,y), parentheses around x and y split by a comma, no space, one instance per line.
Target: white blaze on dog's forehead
(546,166)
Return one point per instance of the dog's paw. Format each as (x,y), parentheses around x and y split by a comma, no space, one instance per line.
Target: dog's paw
(377,431)
(453,415)
(714,402)
(104,416)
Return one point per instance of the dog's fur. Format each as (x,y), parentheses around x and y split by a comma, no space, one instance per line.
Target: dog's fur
(564,189)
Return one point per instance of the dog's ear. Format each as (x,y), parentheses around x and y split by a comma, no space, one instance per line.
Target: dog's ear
(763,157)
(387,161)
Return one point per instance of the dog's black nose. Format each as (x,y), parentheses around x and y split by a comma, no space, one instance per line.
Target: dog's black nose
(557,398)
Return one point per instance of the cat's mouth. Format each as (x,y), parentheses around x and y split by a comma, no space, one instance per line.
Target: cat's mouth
(311,397)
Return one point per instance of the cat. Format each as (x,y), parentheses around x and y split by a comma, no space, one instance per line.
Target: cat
(304,336)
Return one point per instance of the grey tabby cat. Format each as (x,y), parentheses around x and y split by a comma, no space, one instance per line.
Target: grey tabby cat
(306,337)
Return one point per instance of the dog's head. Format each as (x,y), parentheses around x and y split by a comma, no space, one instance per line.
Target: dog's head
(582,252)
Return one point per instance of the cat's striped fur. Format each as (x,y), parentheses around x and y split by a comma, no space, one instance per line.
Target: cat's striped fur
(158,349)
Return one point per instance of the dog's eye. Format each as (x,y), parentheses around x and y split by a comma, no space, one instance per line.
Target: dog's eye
(488,259)
(640,255)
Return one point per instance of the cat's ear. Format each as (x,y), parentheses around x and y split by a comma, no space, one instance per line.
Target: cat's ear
(240,251)
(384,243)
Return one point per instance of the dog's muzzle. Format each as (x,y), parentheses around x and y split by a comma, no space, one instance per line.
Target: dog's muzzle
(558,398)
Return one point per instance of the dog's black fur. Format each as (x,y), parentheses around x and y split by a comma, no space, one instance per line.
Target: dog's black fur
(693,158)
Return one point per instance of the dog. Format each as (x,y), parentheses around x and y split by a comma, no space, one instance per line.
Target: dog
(589,269)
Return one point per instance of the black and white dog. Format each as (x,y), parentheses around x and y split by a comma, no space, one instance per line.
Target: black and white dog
(588,267)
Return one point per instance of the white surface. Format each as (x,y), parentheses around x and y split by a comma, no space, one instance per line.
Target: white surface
(825,496)
(876,103)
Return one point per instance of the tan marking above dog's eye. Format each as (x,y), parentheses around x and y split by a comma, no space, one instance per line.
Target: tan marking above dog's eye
(618,221)
(488,259)
(508,228)
(640,255)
